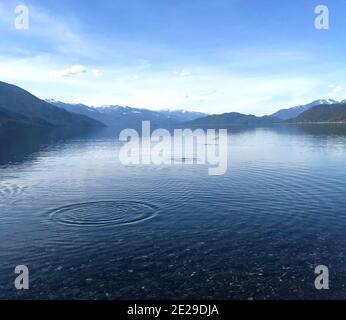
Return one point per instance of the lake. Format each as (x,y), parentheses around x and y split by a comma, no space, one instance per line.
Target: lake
(89,227)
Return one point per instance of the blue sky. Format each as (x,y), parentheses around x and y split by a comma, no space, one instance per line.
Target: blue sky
(213,56)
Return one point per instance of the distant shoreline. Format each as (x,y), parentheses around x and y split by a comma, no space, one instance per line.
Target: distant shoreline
(323,122)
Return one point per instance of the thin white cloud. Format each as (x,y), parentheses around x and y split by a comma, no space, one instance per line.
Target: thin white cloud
(97,72)
(210,89)
(183,73)
(76,69)
(336,88)
(231,84)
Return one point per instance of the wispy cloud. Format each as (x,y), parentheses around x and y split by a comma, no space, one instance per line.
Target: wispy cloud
(183,73)
(336,88)
(76,69)
(97,72)
(141,73)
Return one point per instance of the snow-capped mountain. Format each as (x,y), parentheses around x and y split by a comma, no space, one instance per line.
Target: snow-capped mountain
(182,115)
(127,117)
(290,113)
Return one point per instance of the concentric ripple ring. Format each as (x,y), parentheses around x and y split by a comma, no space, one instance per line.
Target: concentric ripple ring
(103,213)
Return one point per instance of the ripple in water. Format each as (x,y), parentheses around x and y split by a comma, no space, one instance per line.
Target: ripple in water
(103,213)
(8,189)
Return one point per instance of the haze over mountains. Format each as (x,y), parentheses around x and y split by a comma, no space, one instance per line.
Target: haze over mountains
(323,110)
(20,109)
(233,118)
(126,117)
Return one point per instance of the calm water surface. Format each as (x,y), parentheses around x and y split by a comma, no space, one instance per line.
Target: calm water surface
(90,227)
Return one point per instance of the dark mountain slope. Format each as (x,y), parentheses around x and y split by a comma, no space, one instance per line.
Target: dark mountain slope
(290,113)
(323,113)
(20,102)
(233,119)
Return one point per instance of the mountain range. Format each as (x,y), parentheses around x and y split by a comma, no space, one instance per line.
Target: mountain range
(126,117)
(233,118)
(285,114)
(21,109)
(324,110)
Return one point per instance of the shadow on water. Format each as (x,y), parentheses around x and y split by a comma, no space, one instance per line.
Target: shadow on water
(18,146)
(332,129)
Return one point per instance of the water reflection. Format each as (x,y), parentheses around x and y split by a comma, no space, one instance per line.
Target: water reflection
(67,207)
